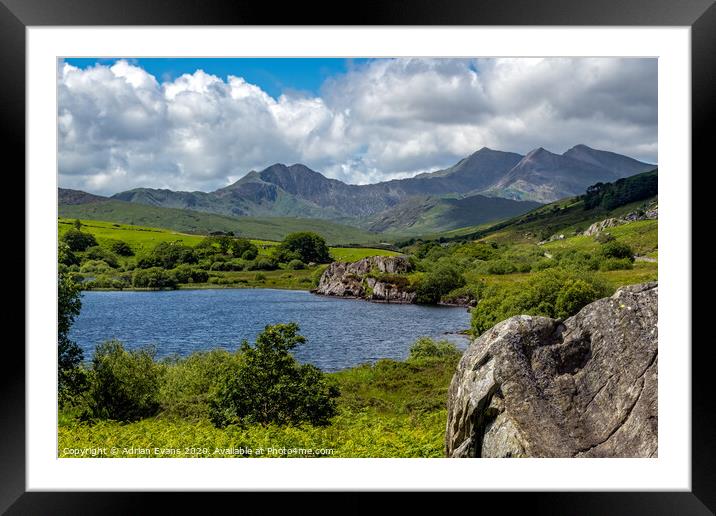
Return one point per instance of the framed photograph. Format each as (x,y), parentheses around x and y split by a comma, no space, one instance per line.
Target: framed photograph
(429,235)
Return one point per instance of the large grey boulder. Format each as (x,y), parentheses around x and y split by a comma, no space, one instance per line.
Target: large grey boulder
(538,387)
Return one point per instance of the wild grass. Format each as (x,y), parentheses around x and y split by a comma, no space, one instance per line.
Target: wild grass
(387,409)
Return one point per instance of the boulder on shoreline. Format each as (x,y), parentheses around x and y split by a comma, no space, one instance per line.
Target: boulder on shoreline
(583,387)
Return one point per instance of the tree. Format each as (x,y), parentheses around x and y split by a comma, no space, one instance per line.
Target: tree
(243,248)
(77,240)
(154,277)
(77,224)
(121,248)
(442,279)
(270,386)
(125,384)
(305,246)
(168,255)
(69,355)
(616,249)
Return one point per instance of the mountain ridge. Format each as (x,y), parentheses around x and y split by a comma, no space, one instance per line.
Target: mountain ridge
(298,191)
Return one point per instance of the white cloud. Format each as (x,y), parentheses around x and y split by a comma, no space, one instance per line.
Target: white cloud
(120,128)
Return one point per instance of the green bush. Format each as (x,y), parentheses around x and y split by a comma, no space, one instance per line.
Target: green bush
(270,386)
(426,348)
(263,263)
(168,255)
(77,240)
(576,260)
(443,278)
(124,385)
(470,292)
(97,266)
(309,247)
(243,248)
(500,267)
(121,248)
(616,264)
(108,281)
(65,255)
(295,265)
(98,253)
(190,383)
(155,278)
(555,293)
(188,274)
(616,249)
(250,254)
(71,380)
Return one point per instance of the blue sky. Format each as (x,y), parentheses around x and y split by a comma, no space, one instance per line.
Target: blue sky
(273,75)
(203,123)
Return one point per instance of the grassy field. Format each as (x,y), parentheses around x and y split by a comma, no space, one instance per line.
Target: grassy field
(143,238)
(195,222)
(390,409)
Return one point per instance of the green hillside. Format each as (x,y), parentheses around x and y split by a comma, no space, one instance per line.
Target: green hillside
(194,222)
(421,215)
(569,216)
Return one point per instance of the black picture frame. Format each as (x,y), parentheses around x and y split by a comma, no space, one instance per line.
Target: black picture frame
(700,15)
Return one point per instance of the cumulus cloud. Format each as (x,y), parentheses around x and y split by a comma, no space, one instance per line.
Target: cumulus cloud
(120,128)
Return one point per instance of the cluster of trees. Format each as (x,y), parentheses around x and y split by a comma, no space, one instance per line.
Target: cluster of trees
(561,283)
(169,264)
(622,191)
(555,293)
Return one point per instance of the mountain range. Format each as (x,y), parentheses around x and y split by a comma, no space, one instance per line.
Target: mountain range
(485,186)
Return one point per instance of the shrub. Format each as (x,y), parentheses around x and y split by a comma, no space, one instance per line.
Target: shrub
(187,274)
(242,246)
(191,382)
(295,265)
(168,255)
(237,264)
(270,386)
(577,260)
(98,253)
(426,348)
(260,277)
(616,249)
(438,282)
(500,267)
(77,240)
(121,248)
(108,281)
(98,266)
(250,254)
(263,263)
(469,294)
(309,246)
(65,255)
(615,264)
(70,378)
(556,293)
(155,278)
(124,384)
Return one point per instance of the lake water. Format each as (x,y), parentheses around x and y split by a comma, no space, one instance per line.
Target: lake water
(340,333)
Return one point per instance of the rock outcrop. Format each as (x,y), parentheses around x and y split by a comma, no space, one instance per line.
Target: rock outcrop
(376,278)
(650,213)
(539,387)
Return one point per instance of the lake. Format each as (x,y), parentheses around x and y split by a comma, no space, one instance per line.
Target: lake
(340,333)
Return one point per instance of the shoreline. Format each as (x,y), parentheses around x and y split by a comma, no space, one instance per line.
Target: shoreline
(210,286)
